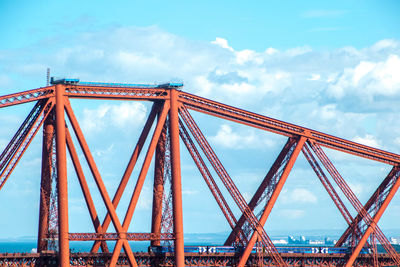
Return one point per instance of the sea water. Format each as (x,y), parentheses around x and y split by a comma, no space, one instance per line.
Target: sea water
(76,246)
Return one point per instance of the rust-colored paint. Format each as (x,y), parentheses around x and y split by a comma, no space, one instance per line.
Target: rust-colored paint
(158,186)
(272,200)
(176,180)
(260,190)
(176,104)
(45,184)
(85,188)
(128,171)
(62,185)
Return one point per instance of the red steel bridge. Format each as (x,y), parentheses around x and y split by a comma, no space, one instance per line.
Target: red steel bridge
(171,114)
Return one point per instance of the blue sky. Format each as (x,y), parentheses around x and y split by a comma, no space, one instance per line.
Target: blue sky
(330,66)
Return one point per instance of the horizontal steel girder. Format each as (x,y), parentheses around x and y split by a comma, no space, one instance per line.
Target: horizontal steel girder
(210,107)
(116,236)
(191,259)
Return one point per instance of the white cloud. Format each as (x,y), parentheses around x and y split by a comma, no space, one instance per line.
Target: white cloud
(369,79)
(228,138)
(367,140)
(104,152)
(298,51)
(348,92)
(248,55)
(324,90)
(271,51)
(357,188)
(292,213)
(384,44)
(222,43)
(298,195)
(145,199)
(314,77)
(361,71)
(123,116)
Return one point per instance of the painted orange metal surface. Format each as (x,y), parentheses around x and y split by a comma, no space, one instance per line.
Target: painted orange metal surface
(158,186)
(260,190)
(174,124)
(176,179)
(45,184)
(373,201)
(85,188)
(205,172)
(271,201)
(128,171)
(62,185)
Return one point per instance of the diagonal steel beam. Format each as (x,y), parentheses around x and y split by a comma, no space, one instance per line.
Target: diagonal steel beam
(261,189)
(145,166)
(206,174)
(272,200)
(327,184)
(372,200)
(22,139)
(85,188)
(139,184)
(129,168)
(229,184)
(373,224)
(329,188)
(99,182)
(25,127)
(353,199)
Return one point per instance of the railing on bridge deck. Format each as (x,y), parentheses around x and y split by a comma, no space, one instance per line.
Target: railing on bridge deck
(191,259)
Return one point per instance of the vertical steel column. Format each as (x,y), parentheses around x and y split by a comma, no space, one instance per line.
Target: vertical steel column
(45,184)
(176,179)
(158,187)
(62,185)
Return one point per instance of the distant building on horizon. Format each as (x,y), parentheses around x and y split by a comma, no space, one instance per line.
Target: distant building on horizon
(301,241)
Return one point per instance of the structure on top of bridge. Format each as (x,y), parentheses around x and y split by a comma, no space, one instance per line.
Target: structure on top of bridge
(173,121)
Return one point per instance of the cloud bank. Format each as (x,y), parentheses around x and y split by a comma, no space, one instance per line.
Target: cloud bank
(348,92)
(326,90)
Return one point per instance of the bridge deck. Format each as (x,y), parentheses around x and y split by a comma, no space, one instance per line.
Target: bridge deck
(191,259)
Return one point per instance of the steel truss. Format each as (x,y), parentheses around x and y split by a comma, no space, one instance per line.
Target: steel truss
(173,122)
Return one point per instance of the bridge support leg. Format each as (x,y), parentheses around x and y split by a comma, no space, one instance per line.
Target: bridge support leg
(176,180)
(85,188)
(264,184)
(158,187)
(373,223)
(128,172)
(62,185)
(45,185)
(272,200)
(367,207)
